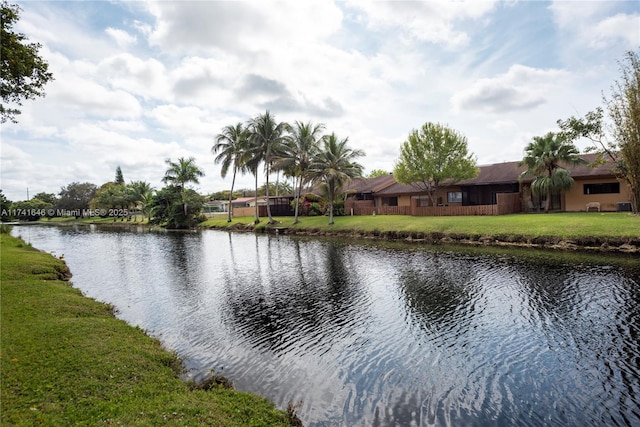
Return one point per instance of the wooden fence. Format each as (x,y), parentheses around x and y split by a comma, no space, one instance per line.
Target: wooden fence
(276,210)
(382,210)
(454,210)
(507,203)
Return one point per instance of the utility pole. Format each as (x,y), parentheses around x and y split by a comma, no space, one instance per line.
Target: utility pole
(27,194)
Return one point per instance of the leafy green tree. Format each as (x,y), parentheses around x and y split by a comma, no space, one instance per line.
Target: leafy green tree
(275,188)
(231,150)
(376,173)
(300,148)
(47,198)
(76,196)
(181,173)
(619,140)
(334,166)
(119,178)
(266,139)
(32,210)
(23,72)
(168,207)
(110,196)
(225,195)
(543,159)
(432,155)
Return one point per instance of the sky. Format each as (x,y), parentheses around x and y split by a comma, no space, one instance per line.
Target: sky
(139,82)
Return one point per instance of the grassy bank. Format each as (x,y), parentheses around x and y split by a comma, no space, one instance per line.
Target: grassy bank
(561,225)
(612,232)
(66,360)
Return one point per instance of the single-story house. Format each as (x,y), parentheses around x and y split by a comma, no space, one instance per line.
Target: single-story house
(497,189)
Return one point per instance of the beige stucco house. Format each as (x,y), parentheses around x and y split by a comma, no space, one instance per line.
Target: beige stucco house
(497,189)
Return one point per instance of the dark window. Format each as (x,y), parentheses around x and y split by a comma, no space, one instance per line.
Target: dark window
(606,188)
(454,197)
(389,201)
(364,196)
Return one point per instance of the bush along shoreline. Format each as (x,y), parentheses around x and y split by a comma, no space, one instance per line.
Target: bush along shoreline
(66,360)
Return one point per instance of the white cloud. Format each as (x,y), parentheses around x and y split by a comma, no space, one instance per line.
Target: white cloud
(145,78)
(521,88)
(182,121)
(254,26)
(590,24)
(433,21)
(618,28)
(87,97)
(121,37)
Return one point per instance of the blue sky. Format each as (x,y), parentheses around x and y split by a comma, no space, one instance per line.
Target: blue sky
(142,81)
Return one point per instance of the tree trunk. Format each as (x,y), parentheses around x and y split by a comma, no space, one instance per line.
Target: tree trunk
(184,202)
(257,220)
(297,196)
(233,181)
(268,204)
(547,203)
(331,197)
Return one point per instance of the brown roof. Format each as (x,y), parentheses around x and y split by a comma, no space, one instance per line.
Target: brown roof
(588,171)
(498,173)
(506,173)
(370,185)
(398,188)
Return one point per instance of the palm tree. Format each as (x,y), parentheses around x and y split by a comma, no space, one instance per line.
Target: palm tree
(141,194)
(334,165)
(543,158)
(300,148)
(181,173)
(266,138)
(231,150)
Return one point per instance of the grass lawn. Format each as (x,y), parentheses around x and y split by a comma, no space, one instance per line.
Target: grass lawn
(66,360)
(563,225)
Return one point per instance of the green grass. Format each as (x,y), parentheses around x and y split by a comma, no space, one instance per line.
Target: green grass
(66,360)
(562,225)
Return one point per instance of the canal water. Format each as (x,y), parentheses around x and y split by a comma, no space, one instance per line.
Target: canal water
(378,335)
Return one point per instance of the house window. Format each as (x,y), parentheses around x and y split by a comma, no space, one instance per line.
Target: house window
(390,201)
(364,196)
(606,188)
(454,197)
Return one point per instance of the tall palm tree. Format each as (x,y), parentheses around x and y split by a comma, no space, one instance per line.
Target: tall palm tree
(230,149)
(543,159)
(181,173)
(300,148)
(334,166)
(266,138)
